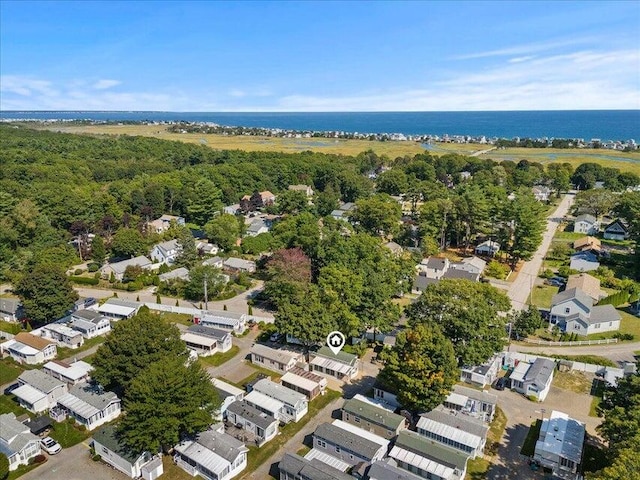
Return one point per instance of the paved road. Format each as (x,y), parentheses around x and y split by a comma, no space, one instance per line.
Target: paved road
(521,287)
(618,352)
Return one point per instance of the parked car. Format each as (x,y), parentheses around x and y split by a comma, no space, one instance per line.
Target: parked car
(276,337)
(557,281)
(500,384)
(50,446)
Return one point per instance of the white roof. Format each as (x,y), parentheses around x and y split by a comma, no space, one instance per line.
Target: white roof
(327,363)
(78,406)
(204,456)
(374,402)
(74,371)
(457,399)
(452,433)
(19,347)
(327,459)
(227,387)
(116,309)
(29,394)
(563,436)
(62,330)
(198,339)
(383,442)
(264,402)
(279,392)
(297,380)
(520,371)
(421,462)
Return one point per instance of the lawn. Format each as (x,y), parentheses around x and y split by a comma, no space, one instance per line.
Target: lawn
(567,237)
(258,371)
(67,434)
(542,294)
(573,381)
(218,359)
(180,318)
(10,327)
(69,353)
(595,359)
(529,445)
(173,471)
(258,456)
(630,324)
(9,404)
(9,371)
(478,467)
(21,470)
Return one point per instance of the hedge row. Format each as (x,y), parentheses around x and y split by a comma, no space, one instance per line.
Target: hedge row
(85,280)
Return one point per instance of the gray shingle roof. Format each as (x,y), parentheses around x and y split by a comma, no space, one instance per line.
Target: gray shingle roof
(432,450)
(93,396)
(604,313)
(252,414)
(208,331)
(373,414)
(40,380)
(383,471)
(88,315)
(463,422)
(222,444)
(363,447)
(586,218)
(9,305)
(436,263)
(107,436)
(310,469)
(573,293)
(540,371)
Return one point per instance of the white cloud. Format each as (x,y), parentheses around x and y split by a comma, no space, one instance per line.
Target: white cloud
(106,83)
(26,86)
(525,49)
(522,59)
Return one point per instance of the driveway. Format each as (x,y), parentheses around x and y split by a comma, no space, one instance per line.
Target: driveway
(521,287)
(618,352)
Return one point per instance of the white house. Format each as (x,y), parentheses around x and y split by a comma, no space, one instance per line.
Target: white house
(265,404)
(584,262)
(116,309)
(257,227)
(206,341)
(472,402)
(541,193)
(236,322)
(206,248)
(62,335)
(118,268)
(29,349)
(108,445)
(456,430)
(212,454)
(217,262)
(162,224)
(384,395)
(239,265)
(343,366)
(308,191)
(264,427)
(488,248)
(17,442)
(348,443)
(559,446)
(166,252)
(484,374)
(372,417)
(10,309)
(533,379)
(279,360)
(573,311)
(227,394)
(295,467)
(70,373)
(587,224)
(90,323)
(302,381)
(434,267)
(90,406)
(37,391)
(616,230)
(295,405)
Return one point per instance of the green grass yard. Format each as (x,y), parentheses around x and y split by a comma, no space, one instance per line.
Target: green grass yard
(630,324)
(478,467)
(70,353)
(218,359)
(9,404)
(529,445)
(67,434)
(9,371)
(542,294)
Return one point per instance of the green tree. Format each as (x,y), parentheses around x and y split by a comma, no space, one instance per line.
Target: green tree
(134,345)
(327,201)
(292,201)
(393,182)
(4,466)
(626,464)
(204,203)
(223,230)
(523,224)
(127,242)
(194,288)
(597,202)
(188,255)
(166,402)
(378,215)
(98,250)
(46,293)
(421,367)
(259,244)
(467,313)
(560,176)
(526,322)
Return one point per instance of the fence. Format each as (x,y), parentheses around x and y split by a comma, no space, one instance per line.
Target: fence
(196,311)
(547,343)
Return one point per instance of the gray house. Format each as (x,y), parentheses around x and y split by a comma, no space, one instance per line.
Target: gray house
(264,427)
(10,309)
(533,379)
(295,467)
(456,430)
(37,391)
(373,418)
(349,444)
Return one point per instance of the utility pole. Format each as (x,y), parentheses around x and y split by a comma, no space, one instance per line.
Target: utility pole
(206,306)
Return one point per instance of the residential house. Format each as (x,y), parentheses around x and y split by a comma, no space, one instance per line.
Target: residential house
(343,366)
(560,444)
(262,426)
(212,454)
(118,268)
(573,311)
(279,360)
(584,262)
(70,373)
(421,282)
(373,418)
(616,230)
(257,227)
(386,395)
(484,374)
(265,404)
(589,244)
(198,333)
(394,248)
(29,349)
(471,264)
(541,192)
(227,394)
(162,224)
(343,211)
(388,470)
(348,443)
(433,267)
(488,248)
(62,335)
(232,209)
(308,191)
(256,201)
(587,224)
(89,405)
(109,446)
(472,402)
(585,282)
(116,309)
(206,248)
(181,273)
(454,429)
(17,442)
(302,381)
(295,467)
(428,458)
(37,391)
(222,319)
(460,274)
(217,262)
(533,379)
(295,405)
(166,252)
(90,323)
(10,309)
(239,265)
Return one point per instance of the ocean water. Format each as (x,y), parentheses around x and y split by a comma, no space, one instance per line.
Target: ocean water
(585,124)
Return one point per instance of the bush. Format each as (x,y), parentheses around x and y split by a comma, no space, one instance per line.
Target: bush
(85,280)
(548,273)
(623,336)
(78,271)
(93,267)
(39,459)
(96,458)
(135,286)
(82,428)
(533,398)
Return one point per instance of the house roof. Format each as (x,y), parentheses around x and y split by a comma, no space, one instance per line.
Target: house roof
(436,263)
(213,261)
(492,244)
(32,341)
(618,223)
(585,255)
(303,379)
(476,262)
(166,247)
(226,388)
(270,404)
(585,282)
(456,274)
(381,470)
(252,414)
(394,247)
(563,436)
(239,263)
(431,456)
(279,392)
(373,413)
(421,282)
(342,357)
(88,315)
(457,427)
(14,435)
(39,424)
(310,469)
(86,400)
(120,267)
(73,371)
(29,394)
(585,217)
(604,313)
(279,355)
(574,293)
(10,305)
(40,380)
(460,394)
(179,273)
(208,332)
(62,330)
(364,447)
(303,188)
(107,436)
(200,340)
(588,241)
(540,371)
(214,450)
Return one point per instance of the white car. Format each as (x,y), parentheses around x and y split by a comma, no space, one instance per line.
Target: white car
(50,446)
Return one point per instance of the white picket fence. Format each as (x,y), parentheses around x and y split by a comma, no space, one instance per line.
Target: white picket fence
(547,343)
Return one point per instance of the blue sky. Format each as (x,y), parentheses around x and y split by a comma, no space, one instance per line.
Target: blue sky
(319,56)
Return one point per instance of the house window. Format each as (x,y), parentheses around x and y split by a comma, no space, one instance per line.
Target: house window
(610,324)
(322,443)
(567,310)
(337,449)
(104,450)
(357,419)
